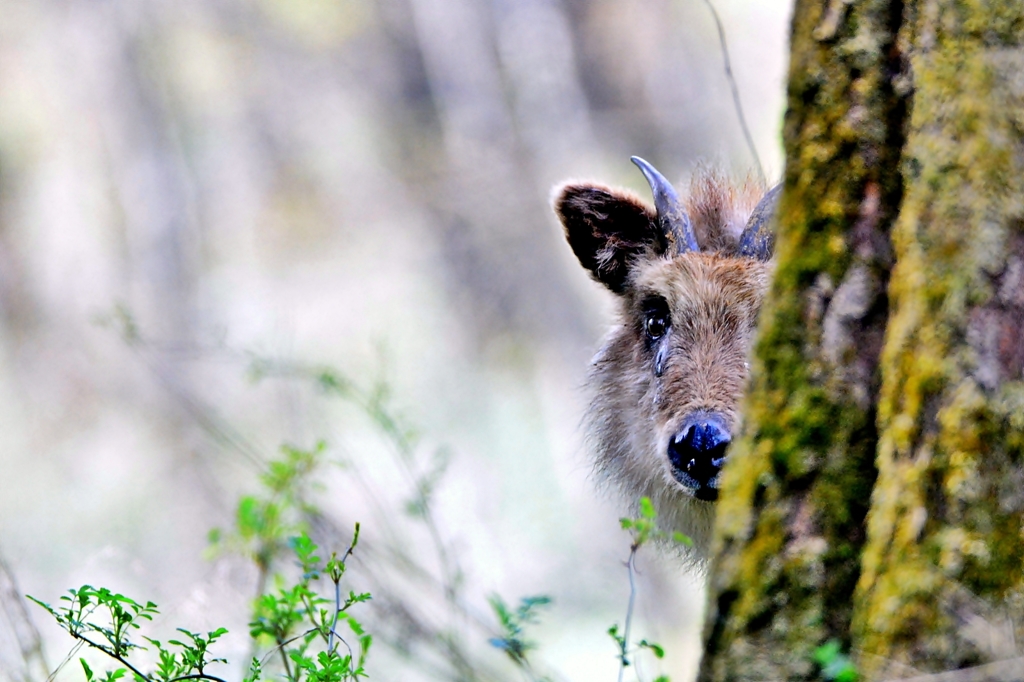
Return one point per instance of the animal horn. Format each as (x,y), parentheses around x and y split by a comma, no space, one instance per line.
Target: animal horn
(757,240)
(672,218)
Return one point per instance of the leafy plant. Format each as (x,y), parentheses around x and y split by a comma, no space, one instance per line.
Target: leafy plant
(303,629)
(105,621)
(420,468)
(266,523)
(513,623)
(643,530)
(301,624)
(294,618)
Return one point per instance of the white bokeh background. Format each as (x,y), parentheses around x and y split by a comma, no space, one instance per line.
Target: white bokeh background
(345,183)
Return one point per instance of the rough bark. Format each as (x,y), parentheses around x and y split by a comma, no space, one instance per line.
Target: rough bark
(801,475)
(941,583)
(900,392)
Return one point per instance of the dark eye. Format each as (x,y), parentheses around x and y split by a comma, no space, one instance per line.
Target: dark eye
(655,326)
(656,318)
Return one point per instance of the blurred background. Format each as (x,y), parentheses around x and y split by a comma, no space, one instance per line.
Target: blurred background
(200,200)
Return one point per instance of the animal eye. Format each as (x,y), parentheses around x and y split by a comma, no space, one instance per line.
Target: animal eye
(656,319)
(655,326)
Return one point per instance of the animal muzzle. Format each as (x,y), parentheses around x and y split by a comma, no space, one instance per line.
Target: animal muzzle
(697,453)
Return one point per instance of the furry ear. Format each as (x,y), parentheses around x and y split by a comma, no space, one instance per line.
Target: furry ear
(607,228)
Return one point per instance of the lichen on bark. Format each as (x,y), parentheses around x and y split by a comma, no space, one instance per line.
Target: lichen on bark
(945,551)
(905,386)
(800,476)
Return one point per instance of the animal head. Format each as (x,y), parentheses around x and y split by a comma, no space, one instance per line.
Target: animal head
(689,276)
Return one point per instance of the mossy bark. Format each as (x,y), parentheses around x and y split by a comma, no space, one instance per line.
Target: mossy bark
(791,516)
(942,573)
(876,495)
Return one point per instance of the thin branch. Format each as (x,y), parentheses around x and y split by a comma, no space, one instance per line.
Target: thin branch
(286,643)
(67,659)
(735,90)
(337,610)
(348,646)
(261,585)
(110,652)
(120,659)
(284,659)
(631,566)
(25,632)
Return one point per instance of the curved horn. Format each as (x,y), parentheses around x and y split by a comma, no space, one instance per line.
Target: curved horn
(757,240)
(672,218)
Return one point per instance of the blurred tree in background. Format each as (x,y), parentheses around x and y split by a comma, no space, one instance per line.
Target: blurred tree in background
(193,191)
(197,192)
(873,518)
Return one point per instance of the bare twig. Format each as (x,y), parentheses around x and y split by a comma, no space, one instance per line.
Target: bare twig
(67,659)
(285,643)
(735,90)
(29,642)
(139,674)
(631,567)
(284,659)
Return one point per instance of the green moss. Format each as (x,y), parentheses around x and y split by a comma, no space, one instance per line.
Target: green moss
(803,469)
(945,519)
(940,528)
(945,526)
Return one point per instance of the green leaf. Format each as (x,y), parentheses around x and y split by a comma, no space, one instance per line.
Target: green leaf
(681,539)
(656,649)
(835,665)
(255,671)
(827,652)
(647,508)
(250,518)
(45,606)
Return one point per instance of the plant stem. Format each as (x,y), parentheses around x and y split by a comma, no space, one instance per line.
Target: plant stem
(630,565)
(337,610)
(136,671)
(263,566)
(284,659)
(735,91)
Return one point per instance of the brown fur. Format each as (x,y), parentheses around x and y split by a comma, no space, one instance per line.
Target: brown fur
(713,297)
(720,208)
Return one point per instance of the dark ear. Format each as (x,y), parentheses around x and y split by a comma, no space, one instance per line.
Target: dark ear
(607,228)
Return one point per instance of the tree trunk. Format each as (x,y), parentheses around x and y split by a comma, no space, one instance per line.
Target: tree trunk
(876,495)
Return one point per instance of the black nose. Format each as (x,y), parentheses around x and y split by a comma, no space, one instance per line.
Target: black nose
(697,453)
